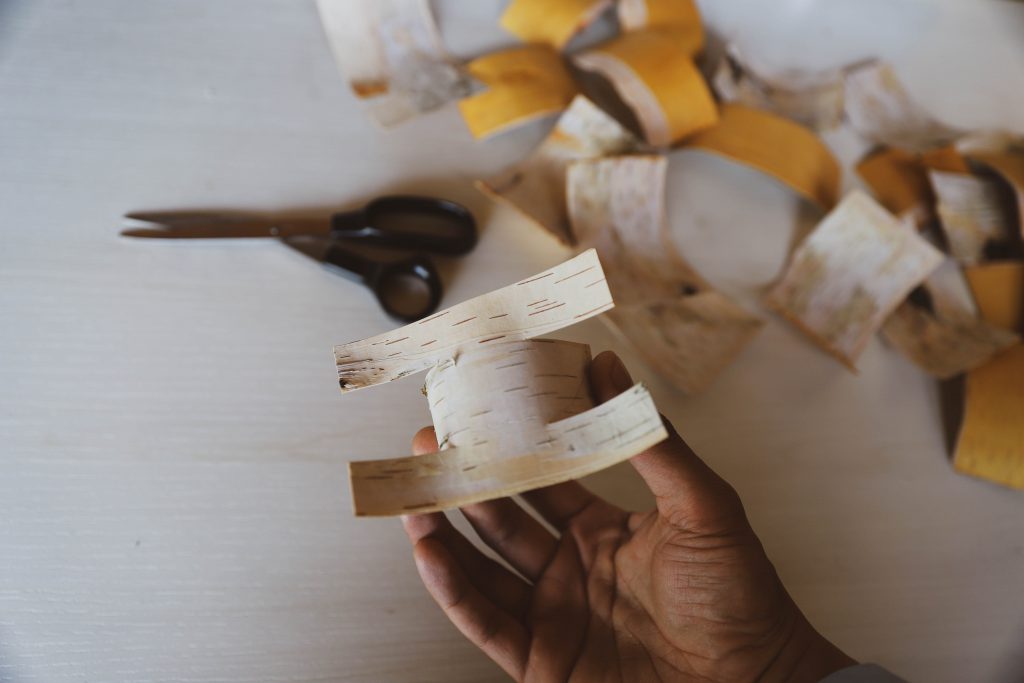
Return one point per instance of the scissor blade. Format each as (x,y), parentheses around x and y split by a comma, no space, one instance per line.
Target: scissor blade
(312,246)
(195,225)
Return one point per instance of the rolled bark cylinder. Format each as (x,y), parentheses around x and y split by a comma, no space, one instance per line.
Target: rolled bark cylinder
(505,395)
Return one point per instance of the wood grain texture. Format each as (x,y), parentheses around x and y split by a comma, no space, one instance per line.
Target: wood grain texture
(173,495)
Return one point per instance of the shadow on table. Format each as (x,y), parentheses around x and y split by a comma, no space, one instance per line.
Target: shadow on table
(1012,667)
(951,407)
(10,12)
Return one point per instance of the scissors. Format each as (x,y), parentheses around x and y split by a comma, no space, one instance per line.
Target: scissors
(408,289)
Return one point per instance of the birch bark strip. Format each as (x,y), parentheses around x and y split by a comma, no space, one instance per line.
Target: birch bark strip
(812,100)
(881,110)
(564,295)
(577,446)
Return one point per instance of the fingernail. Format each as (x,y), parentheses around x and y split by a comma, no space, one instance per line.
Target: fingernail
(620,375)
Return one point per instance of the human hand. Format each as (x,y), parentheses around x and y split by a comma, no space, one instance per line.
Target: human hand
(682,592)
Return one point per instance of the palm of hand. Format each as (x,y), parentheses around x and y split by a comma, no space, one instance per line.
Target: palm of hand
(684,592)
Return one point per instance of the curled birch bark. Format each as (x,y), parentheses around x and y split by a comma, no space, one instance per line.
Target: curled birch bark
(572,448)
(554,23)
(523,84)
(991,440)
(976,214)
(850,273)
(393,56)
(566,294)
(815,101)
(776,146)
(1008,163)
(510,413)
(882,111)
(938,328)
(536,185)
(684,328)
(653,72)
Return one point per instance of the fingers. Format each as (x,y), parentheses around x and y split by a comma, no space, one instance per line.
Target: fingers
(424,442)
(688,492)
(559,616)
(511,532)
(501,637)
(608,376)
(562,503)
(558,504)
(504,588)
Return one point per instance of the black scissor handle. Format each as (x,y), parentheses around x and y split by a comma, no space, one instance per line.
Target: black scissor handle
(411,223)
(407,290)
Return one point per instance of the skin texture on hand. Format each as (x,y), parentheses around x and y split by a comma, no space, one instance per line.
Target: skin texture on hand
(683,592)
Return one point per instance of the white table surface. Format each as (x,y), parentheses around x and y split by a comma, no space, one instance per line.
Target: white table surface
(173,497)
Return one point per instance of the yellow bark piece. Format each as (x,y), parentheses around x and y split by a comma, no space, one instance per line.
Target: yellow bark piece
(653,72)
(523,83)
(780,148)
(899,178)
(554,23)
(946,159)
(991,442)
(998,289)
(897,181)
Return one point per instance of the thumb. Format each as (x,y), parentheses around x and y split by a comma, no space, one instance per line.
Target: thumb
(688,492)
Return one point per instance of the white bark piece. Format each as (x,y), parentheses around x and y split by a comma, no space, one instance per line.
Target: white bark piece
(813,100)
(508,394)
(975,213)
(685,329)
(880,109)
(566,294)
(392,53)
(572,448)
(938,327)
(853,270)
(536,185)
